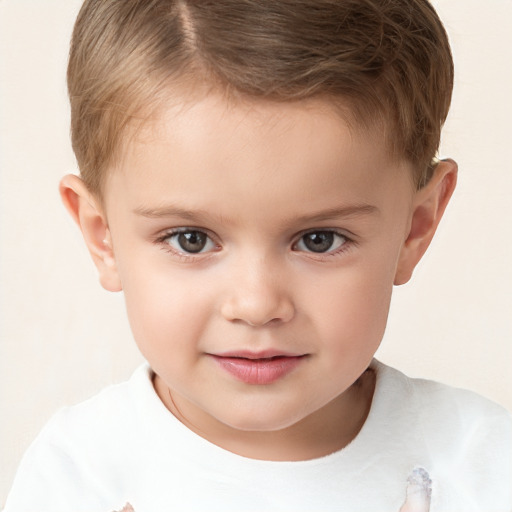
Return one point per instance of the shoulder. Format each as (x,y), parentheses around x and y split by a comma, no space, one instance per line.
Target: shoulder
(431,399)
(83,451)
(448,421)
(111,410)
(464,439)
(453,417)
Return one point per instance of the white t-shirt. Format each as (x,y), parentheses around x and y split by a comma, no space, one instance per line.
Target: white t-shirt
(123,446)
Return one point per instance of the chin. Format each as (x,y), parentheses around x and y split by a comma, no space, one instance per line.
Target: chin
(262,420)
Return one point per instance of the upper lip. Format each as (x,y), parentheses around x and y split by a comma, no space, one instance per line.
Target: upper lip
(261,354)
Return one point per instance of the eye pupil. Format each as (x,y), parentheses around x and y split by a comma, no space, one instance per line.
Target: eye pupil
(192,241)
(320,241)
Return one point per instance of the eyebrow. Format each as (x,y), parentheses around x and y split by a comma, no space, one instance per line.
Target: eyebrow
(340,212)
(171,211)
(199,215)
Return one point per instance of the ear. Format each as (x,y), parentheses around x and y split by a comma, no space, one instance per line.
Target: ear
(88,214)
(428,208)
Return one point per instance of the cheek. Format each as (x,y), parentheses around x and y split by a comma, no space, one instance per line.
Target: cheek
(165,310)
(352,311)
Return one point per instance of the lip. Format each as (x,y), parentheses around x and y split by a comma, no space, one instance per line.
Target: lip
(258,368)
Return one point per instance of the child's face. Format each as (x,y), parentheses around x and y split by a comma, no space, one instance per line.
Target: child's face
(248,232)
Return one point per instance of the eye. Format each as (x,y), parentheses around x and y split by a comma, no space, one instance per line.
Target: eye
(320,241)
(190,241)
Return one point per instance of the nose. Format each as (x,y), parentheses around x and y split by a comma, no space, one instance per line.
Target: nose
(258,295)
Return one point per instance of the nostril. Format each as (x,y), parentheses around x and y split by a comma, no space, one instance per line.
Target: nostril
(257,313)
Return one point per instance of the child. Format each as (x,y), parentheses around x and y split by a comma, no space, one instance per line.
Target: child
(256,176)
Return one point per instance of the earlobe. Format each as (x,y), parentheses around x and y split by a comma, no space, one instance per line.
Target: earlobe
(429,205)
(86,211)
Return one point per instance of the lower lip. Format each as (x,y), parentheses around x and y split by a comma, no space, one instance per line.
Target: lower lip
(258,371)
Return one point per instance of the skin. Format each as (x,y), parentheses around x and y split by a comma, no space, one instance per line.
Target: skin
(255,176)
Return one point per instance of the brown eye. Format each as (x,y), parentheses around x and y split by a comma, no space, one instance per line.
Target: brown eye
(192,242)
(321,241)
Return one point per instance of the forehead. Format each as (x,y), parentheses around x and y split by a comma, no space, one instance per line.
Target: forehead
(213,112)
(249,146)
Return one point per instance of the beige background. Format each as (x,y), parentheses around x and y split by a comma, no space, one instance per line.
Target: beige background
(63,337)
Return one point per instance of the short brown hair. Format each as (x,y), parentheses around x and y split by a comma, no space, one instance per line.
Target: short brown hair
(389,60)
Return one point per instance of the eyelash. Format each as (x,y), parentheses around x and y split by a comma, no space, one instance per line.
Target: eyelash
(347,243)
(190,256)
(183,255)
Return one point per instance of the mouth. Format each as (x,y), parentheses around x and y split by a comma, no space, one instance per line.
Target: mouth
(258,368)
